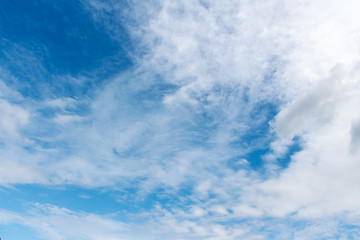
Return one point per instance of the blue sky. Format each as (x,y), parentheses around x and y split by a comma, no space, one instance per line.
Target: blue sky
(197,119)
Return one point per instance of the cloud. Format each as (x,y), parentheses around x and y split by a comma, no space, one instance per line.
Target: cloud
(19,172)
(13,118)
(8,217)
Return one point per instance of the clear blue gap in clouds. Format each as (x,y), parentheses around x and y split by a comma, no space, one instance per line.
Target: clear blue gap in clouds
(120,203)
(17,231)
(46,43)
(98,201)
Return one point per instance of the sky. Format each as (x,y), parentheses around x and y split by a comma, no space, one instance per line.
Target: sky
(184,119)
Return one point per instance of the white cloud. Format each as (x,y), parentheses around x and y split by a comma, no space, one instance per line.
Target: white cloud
(9,217)
(19,172)
(320,179)
(312,48)
(64,119)
(12,119)
(62,103)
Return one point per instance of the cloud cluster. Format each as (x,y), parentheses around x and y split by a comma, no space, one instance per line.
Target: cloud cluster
(227,59)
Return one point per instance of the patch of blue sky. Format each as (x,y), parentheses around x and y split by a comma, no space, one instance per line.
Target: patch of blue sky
(43,40)
(8,200)
(16,231)
(255,143)
(256,157)
(165,198)
(122,204)
(98,201)
(350,231)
